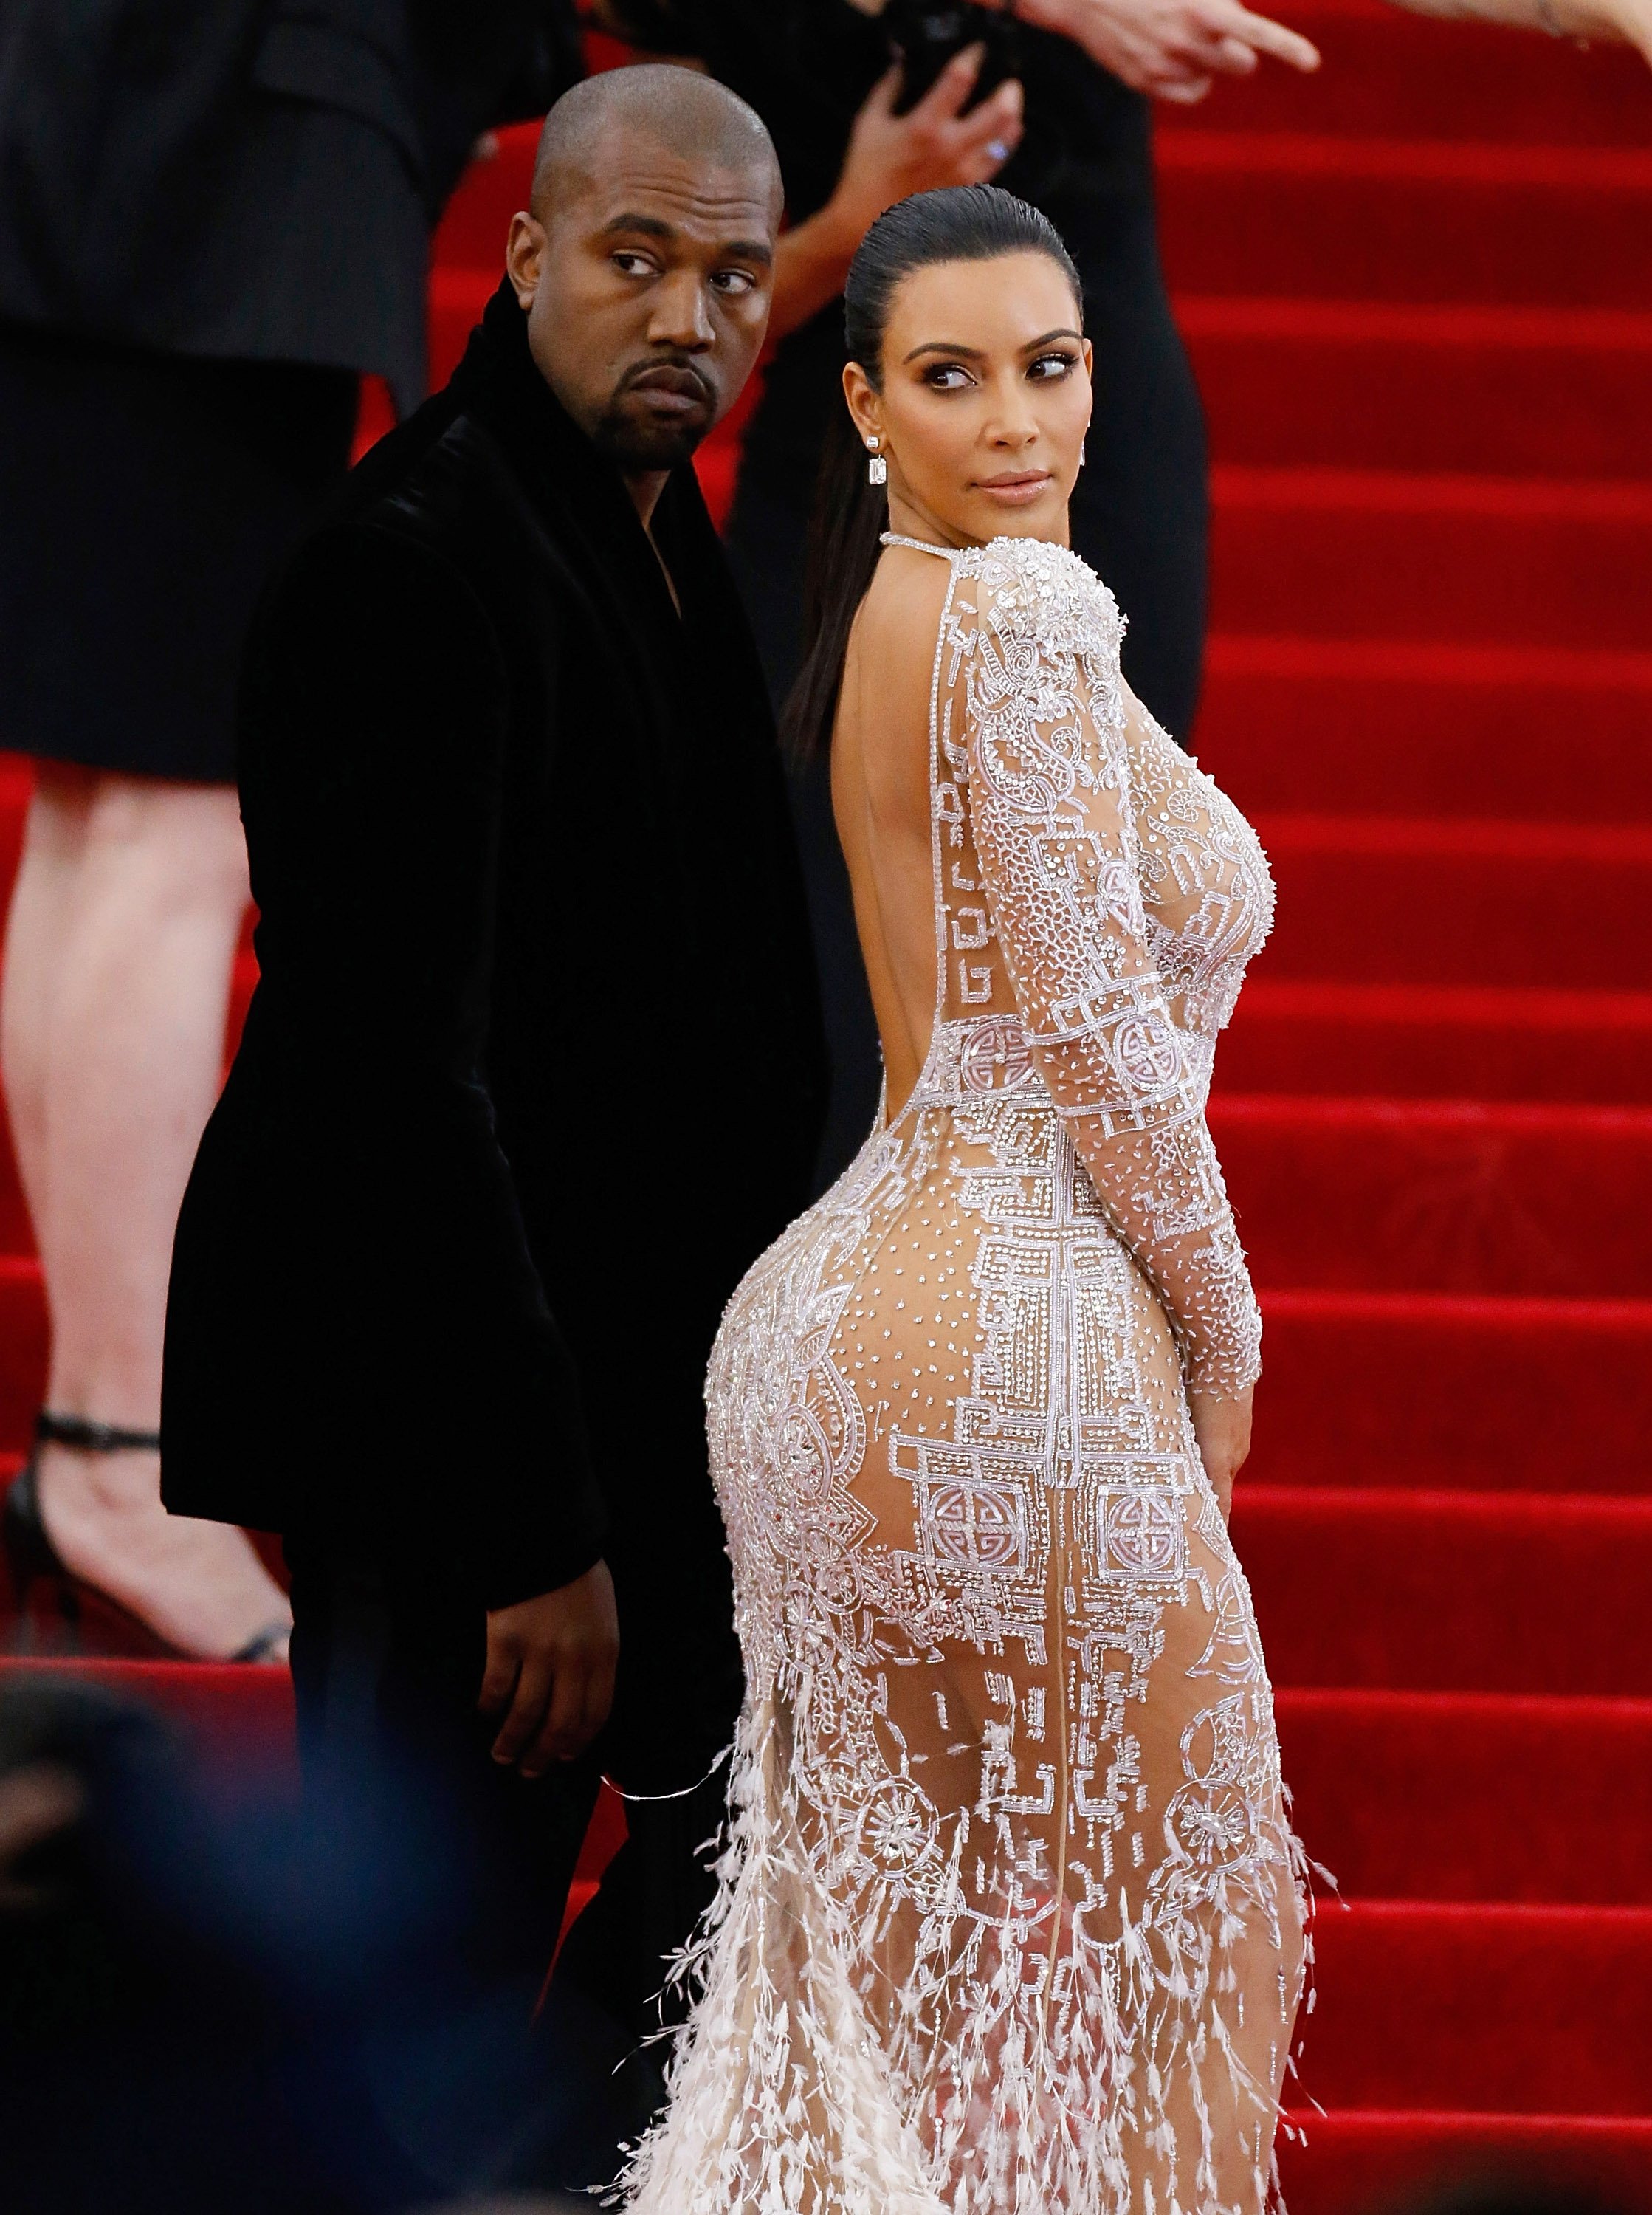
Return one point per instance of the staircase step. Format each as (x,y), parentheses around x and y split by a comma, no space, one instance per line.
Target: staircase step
(1533,2011)
(1447,1393)
(1351,2161)
(1376,385)
(1347,726)
(1386,70)
(1348,553)
(1306,214)
(1547,1201)
(1446,1041)
(473,230)
(1517,1591)
(1459,901)
(1454,1796)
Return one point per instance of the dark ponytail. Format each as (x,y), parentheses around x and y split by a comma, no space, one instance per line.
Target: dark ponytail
(959,222)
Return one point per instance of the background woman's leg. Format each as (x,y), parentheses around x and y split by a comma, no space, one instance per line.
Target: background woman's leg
(124,924)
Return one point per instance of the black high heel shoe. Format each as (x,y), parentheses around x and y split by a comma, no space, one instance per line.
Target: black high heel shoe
(31,1555)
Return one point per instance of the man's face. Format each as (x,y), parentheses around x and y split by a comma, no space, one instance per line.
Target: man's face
(647,294)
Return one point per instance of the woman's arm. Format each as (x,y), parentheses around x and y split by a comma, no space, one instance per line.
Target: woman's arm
(1617,20)
(1049,794)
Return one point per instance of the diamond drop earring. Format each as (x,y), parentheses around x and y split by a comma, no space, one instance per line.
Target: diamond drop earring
(876,468)
(1082,453)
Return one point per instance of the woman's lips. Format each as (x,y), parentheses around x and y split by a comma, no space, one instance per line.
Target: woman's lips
(1016,490)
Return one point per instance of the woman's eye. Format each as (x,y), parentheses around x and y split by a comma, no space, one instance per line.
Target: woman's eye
(947,377)
(1051,365)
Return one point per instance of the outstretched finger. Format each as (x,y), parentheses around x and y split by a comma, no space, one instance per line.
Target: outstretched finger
(944,101)
(1268,37)
(881,100)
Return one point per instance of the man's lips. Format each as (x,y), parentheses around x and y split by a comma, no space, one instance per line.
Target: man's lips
(671,389)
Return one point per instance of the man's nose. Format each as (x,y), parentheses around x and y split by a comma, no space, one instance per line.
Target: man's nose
(681,315)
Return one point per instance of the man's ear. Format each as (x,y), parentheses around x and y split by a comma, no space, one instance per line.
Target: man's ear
(524,253)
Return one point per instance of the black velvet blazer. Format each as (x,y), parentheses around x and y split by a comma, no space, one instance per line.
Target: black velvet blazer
(534,1070)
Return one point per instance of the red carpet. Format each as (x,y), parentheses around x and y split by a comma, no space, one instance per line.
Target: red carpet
(1416,289)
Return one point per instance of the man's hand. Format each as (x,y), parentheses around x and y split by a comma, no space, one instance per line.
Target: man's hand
(1221,1425)
(551,1662)
(1174,49)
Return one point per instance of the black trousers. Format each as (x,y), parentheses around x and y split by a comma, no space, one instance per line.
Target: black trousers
(530,2087)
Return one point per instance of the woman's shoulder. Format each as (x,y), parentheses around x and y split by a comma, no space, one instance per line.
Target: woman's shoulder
(1046,589)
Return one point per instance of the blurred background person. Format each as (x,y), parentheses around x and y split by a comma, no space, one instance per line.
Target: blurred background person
(1049,100)
(215,215)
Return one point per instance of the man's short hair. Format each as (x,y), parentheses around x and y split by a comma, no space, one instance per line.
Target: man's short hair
(681,109)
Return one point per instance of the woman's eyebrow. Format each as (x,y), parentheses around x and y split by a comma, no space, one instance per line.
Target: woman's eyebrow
(975,353)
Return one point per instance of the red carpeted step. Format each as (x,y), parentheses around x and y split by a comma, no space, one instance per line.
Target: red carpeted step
(1429,1795)
(1372,725)
(1446,1392)
(1547,392)
(1449,1041)
(472,233)
(1513,2009)
(1460,901)
(1549,1201)
(1348,553)
(1373,2162)
(1297,216)
(1512,1591)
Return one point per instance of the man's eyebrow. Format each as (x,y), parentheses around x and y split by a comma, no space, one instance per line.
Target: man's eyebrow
(653,226)
(649,226)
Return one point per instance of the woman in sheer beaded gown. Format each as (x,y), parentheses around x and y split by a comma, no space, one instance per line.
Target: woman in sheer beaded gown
(1010,1919)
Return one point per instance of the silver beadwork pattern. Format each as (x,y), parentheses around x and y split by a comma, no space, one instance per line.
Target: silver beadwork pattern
(1011,1920)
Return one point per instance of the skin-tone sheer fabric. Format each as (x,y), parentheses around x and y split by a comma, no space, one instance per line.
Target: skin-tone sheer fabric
(1011,1918)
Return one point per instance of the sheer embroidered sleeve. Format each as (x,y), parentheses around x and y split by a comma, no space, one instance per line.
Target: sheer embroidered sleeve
(1033,726)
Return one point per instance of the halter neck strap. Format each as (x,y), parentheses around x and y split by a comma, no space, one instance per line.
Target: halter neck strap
(918,545)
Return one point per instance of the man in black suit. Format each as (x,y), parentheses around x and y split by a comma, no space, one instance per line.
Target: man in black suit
(534,1070)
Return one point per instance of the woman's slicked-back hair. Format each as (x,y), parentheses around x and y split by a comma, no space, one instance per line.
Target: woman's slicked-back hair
(959,222)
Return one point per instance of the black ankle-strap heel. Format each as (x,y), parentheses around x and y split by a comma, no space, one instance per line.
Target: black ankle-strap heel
(30,1554)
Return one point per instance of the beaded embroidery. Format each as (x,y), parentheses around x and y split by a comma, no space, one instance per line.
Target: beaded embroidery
(1010,1918)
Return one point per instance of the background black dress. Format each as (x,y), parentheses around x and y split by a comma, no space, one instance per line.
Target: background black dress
(215,215)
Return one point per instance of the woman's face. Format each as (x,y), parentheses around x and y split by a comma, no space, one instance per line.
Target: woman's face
(985,399)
